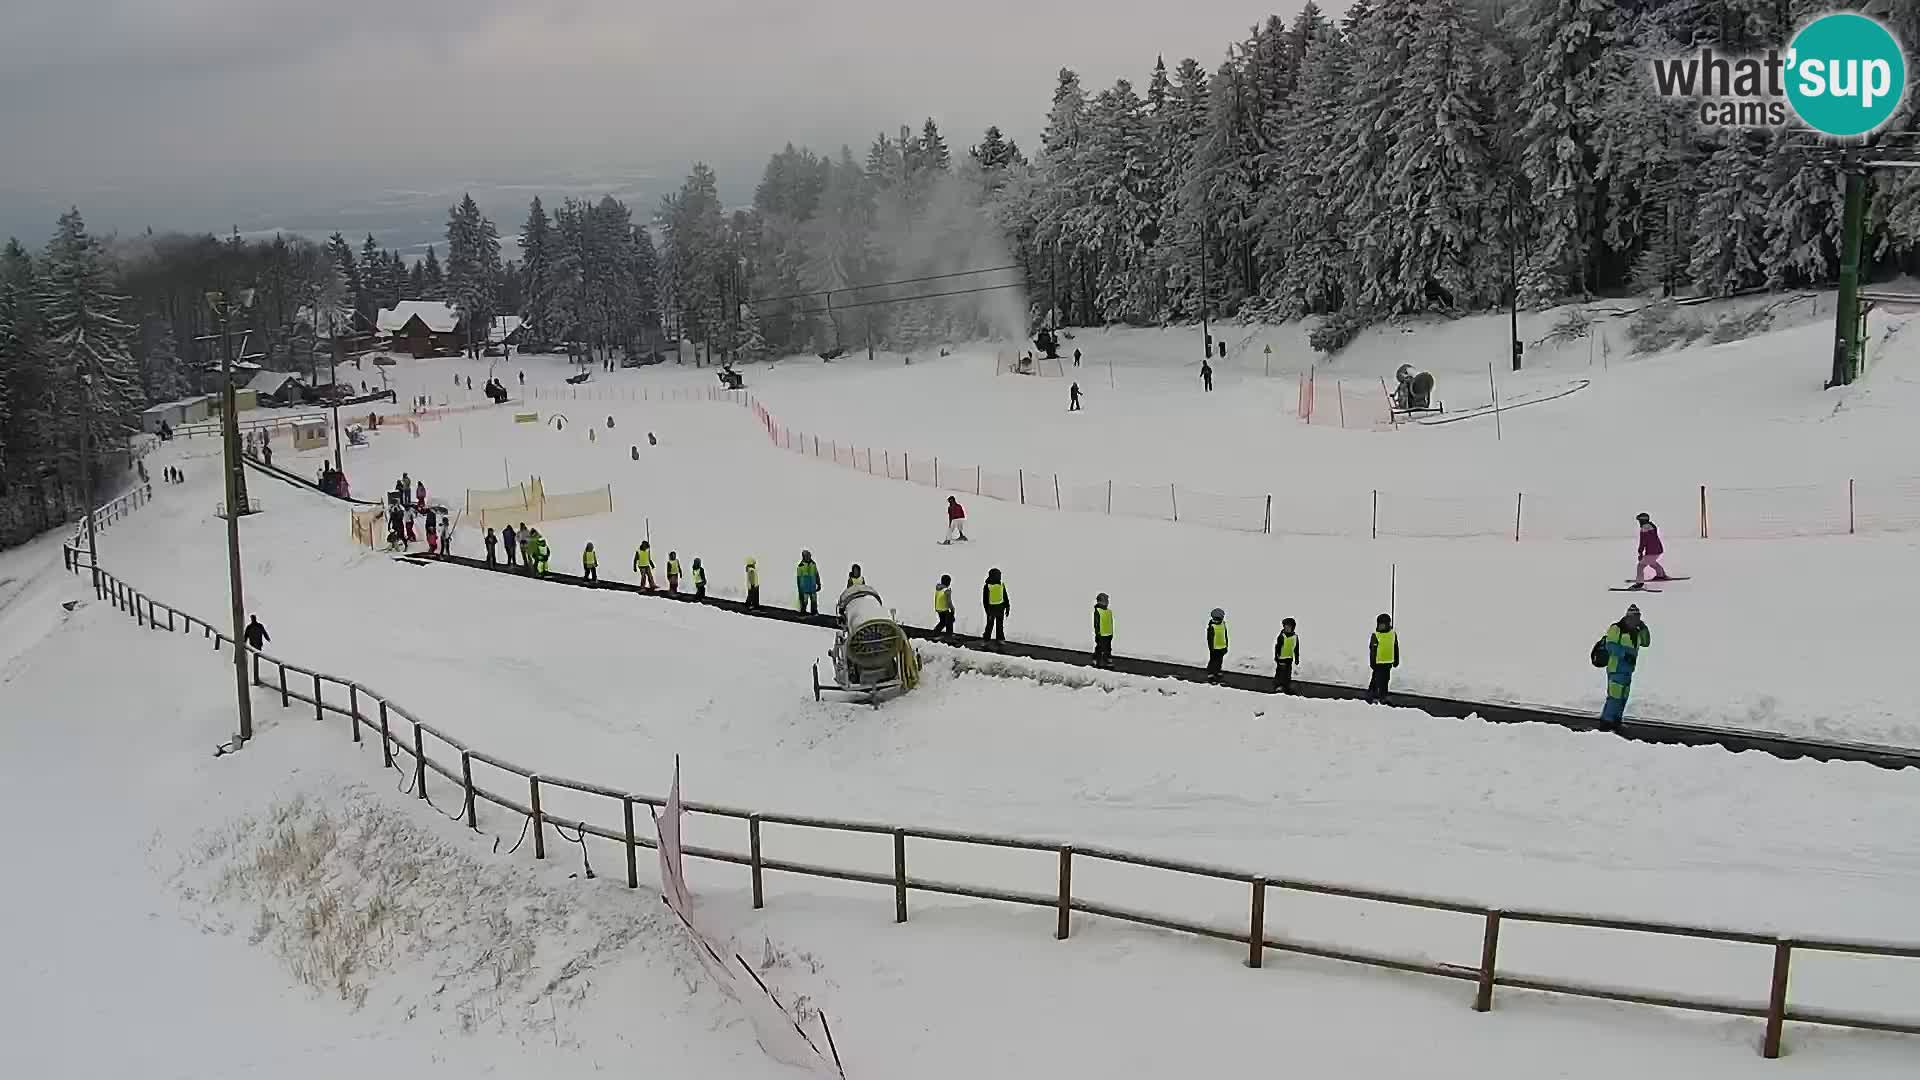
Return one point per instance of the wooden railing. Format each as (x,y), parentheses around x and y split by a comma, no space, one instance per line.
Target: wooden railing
(431,756)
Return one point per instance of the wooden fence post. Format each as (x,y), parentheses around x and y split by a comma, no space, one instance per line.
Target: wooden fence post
(419,761)
(539,820)
(936,471)
(1489,955)
(1109,498)
(1056,492)
(353,709)
(1703,511)
(1066,894)
(1777,999)
(466,781)
(1257,924)
(1517,497)
(1173,499)
(633,858)
(906,465)
(286,699)
(319,712)
(137,619)
(1267,526)
(386,740)
(1022,474)
(1850,518)
(1376,514)
(899,875)
(753,859)
(170,610)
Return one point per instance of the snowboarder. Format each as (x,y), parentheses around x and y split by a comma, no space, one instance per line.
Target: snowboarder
(956,521)
(753,584)
(1624,641)
(1648,554)
(1286,653)
(1206,376)
(699,580)
(1383,655)
(1216,643)
(512,543)
(854,578)
(1073,398)
(255,633)
(673,571)
(493,542)
(1102,632)
(590,563)
(943,605)
(643,564)
(806,580)
(993,597)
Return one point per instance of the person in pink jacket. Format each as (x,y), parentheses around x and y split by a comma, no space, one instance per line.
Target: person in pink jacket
(1649,553)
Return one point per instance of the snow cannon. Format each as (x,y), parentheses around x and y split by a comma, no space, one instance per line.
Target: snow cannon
(1413,390)
(872,656)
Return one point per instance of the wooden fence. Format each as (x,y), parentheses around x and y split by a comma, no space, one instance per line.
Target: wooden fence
(433,758)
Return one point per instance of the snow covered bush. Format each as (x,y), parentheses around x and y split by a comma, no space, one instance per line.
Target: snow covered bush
(1738,326)
(1335,332)
(1662,326)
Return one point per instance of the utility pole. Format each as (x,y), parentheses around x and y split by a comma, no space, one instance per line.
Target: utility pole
(86,478)
(236,506)
(1846,334)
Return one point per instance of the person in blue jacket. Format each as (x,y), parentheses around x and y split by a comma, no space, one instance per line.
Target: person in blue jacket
(806,580)
(1624,641)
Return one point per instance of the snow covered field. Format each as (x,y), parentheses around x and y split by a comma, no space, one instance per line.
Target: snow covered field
(1801,634)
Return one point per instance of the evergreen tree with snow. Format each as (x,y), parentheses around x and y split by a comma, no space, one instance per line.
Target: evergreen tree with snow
(340,255)
(433,279)
(1563,43)
(85,339)
(536,271)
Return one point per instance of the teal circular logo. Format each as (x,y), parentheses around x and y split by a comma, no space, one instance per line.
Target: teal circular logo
(1846,74)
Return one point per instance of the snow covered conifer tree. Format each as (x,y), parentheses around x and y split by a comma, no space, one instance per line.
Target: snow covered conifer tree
(84,334)
(1563,43)
(433,280)
(536,268)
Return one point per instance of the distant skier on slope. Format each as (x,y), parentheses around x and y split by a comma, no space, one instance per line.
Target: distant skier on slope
(1648,554)
(956,521)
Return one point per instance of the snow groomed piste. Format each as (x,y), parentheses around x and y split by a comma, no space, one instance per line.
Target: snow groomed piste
(1660,732)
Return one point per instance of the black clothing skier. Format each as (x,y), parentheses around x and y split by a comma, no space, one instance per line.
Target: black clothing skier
(512,542)
(493,541)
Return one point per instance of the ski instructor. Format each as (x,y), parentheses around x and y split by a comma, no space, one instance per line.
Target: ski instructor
(1623,642)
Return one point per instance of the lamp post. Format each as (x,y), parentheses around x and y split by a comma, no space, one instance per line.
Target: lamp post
(236,492)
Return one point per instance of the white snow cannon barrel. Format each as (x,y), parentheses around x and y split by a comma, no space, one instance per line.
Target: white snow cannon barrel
(872,654)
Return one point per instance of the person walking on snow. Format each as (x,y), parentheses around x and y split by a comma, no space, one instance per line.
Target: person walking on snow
(590,563)
(1216,644)
(673,571)
(1286,653)
(993,597)
(643,564)
(1073,398)
(493,542)
(943,605)
(956,521)
(753,584)
(1102,632)
(699,580)
(1648,554)
(806,581)
(512,543)
(1624,641)
(1383,655)
(1206,376)
(526,549)
(854,578)
(542,553)
(256,634)
(1076,358)
(420,494)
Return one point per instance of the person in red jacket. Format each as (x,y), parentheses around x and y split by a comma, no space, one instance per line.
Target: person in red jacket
(956,521)
(1648,554)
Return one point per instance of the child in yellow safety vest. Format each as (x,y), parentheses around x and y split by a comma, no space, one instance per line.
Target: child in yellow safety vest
(643,564)
(673,571)
(1102,632)
(943,605)
(590,564)
(1383,655)
(753,584)
(1216,644)
(1286,653)
(854,578)
(699,580)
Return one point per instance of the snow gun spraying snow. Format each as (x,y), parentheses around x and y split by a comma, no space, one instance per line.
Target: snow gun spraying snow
(872,656)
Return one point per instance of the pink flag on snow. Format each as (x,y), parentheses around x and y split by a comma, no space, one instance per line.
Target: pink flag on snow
(673,879)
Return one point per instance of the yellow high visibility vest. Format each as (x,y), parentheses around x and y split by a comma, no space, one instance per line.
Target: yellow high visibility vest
(942,600)
(1217,635)
(996,594)
(643,559)
(1289,646)
(853,582)
(590,558)
(699,575)
(1103,621)
(753,578)
(673,567)
(1386,646)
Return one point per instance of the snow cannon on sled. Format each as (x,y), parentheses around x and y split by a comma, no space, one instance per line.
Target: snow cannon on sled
(872,656)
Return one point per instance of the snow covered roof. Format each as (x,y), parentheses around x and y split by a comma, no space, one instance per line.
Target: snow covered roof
(270,382)
(505,327)
(438,316)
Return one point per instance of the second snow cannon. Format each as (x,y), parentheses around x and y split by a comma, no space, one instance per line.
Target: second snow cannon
(872,655)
